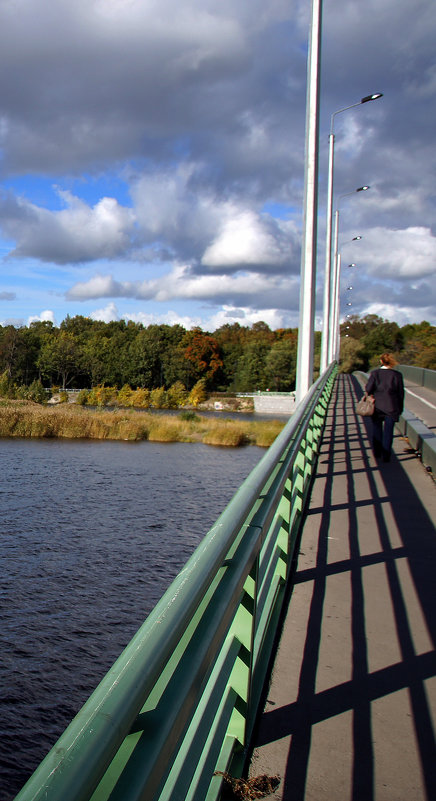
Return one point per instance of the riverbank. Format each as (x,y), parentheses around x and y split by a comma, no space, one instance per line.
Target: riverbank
(216,402)
(28,419)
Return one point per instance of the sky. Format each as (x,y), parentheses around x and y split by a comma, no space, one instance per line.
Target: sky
(152,159)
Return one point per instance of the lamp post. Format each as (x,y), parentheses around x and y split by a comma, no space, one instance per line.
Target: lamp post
(329,268)
(333,319)
(310,208)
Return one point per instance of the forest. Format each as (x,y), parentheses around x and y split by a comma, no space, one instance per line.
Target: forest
(85,353)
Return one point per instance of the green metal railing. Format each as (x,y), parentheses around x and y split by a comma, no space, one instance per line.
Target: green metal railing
(180,702)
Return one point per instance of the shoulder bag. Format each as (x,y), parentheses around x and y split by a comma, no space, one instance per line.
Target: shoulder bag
(365,407)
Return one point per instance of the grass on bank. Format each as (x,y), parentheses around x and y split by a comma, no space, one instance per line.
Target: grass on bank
(28,419)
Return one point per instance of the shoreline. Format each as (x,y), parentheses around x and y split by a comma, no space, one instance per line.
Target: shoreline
(71,421)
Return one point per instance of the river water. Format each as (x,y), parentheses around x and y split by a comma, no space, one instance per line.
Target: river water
(91,535)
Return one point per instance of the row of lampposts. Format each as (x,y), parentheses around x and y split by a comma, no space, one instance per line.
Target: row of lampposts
(330,334)
(308,250)
(332,266)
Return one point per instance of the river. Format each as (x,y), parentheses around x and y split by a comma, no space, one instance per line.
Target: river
(91,535)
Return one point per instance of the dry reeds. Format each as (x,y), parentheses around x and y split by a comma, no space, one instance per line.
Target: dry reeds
(27,419)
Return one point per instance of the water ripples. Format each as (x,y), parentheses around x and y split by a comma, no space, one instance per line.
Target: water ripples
(92,534)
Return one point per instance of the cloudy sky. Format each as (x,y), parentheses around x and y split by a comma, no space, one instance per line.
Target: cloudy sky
(152,158)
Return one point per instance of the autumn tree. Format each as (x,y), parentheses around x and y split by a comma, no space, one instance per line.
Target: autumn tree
(202,353)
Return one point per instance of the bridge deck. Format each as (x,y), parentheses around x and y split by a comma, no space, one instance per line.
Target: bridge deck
(351,709)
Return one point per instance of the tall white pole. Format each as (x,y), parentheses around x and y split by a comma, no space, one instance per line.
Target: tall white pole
(308,250)
(333,295)
(335,332)
(328,259)
(330,268)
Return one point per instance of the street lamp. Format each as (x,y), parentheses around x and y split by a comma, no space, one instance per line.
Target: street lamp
(329,268)
(305,349)
(333,323)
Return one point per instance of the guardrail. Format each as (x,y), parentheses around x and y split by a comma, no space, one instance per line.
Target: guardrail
(419,375)
(180,702)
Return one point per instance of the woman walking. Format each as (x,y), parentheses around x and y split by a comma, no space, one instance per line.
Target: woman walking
(386,385)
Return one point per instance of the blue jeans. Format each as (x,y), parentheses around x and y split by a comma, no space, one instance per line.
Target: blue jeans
(382,434)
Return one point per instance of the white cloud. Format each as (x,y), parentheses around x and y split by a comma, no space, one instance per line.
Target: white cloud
(47,315)
(107,315)
(245,239)
(247,316)
(175,206)
(226,315)
(398,314)
(76,233)
(249,288)
(100,286)
(169,317)
(400,254)
(170,211)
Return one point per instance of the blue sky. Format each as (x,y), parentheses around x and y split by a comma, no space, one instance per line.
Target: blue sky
(152,158)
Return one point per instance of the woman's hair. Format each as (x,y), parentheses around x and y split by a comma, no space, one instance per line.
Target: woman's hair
(388,360)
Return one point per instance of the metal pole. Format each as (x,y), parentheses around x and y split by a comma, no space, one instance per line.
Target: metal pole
(330,267)
(328,258)
(333,315)
(308,251)
(335,332)
(332,310)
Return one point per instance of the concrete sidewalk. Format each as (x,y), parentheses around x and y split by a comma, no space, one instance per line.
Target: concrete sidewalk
(351,708)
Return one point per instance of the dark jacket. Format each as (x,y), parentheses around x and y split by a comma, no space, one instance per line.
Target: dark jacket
(388,389)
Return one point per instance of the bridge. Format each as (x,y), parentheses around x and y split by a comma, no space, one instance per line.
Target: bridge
(296,643)
(350,711)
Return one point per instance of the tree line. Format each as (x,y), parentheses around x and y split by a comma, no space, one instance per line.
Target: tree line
(85,353)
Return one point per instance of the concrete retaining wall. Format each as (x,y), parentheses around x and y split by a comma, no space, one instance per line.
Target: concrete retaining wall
(272,402)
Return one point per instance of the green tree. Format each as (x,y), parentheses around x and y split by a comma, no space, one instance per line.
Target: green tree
(36,392)
(31,340)
(10,350)
(384,338)
(280,365)
(251,373)
(231,339)
(153,355)
(419,345)
(351,356)
(61,358)
(7,388)
(81,327)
